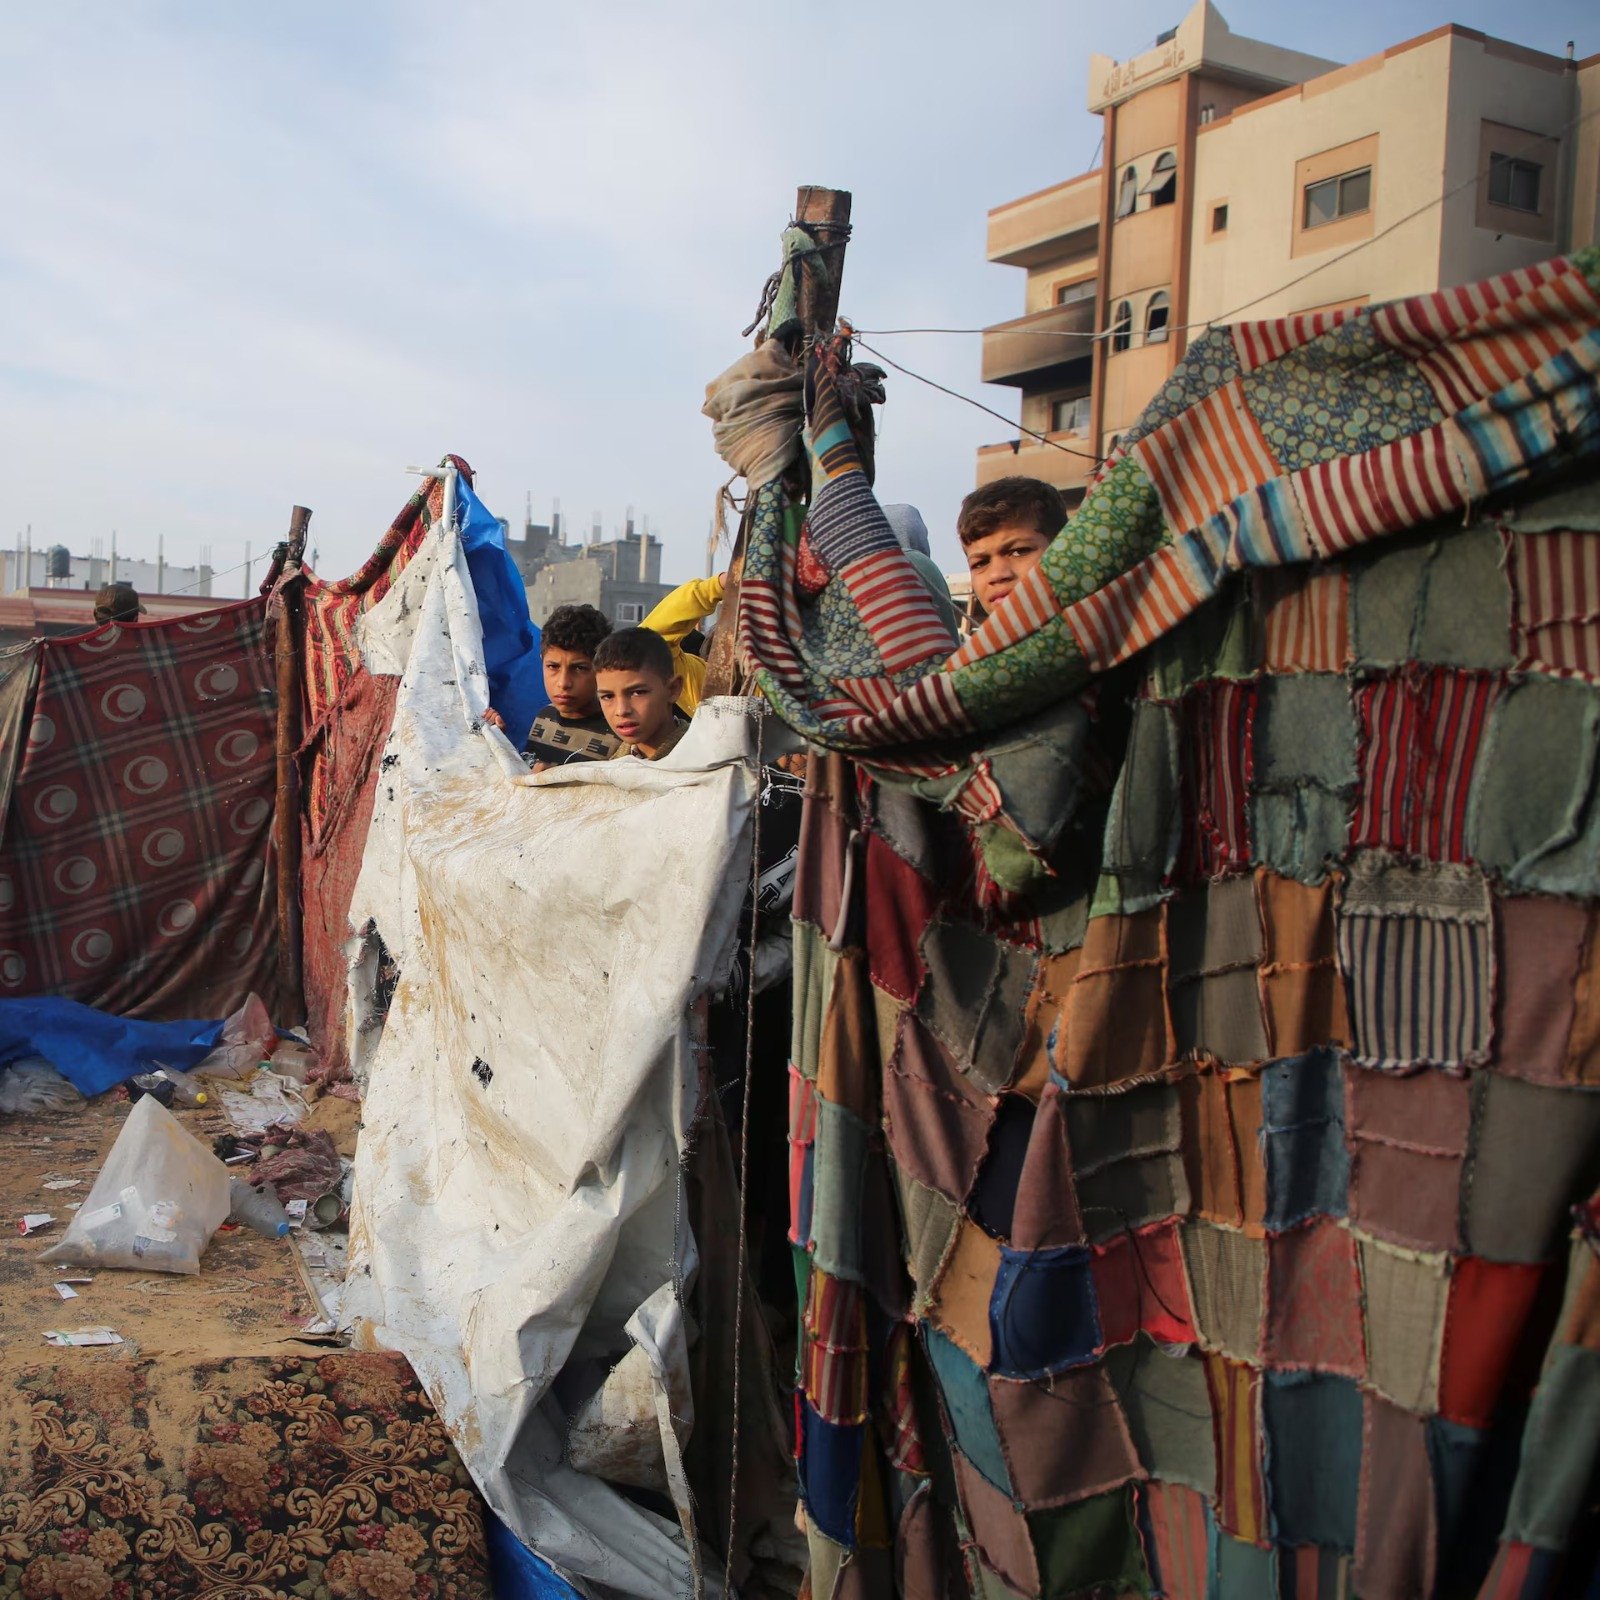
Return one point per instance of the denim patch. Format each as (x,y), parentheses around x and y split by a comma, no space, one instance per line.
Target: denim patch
(830,1472)
(1302,1122)
(1534,816)
(1043,1316)
(1313,1427)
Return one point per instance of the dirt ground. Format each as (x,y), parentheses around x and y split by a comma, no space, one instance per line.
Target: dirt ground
(249,1298)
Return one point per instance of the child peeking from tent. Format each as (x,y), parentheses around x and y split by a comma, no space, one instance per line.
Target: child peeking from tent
(1004,528)
(677,617)
(572,726)
(638,688)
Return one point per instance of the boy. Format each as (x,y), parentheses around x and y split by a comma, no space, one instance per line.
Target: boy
(1004,528)
(637,688)
(571,727)
(680,615)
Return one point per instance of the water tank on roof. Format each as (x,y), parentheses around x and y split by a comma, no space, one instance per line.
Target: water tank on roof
(57,562)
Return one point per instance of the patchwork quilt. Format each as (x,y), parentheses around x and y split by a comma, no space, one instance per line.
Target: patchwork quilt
(1195,1083)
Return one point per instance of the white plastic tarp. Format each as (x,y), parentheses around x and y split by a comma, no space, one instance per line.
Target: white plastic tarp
(518,1199)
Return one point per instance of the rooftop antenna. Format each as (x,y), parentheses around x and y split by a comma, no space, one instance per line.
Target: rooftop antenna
(556,529)
(161,563)
(644,551)
(113,555)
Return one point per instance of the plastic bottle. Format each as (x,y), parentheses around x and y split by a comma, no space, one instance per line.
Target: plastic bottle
(258,1207)
(153,1084)
(185,1091)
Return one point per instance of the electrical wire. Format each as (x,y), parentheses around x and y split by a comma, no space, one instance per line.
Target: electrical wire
(956,394)
(1283,288)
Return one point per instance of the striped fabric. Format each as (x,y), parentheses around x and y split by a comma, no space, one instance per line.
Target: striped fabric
(833,1349)
(1555,597)
(1218,736)
(1306,613)
(1351,500)
(1420,737)
(1473,340)
(1420,989)
(1258,343)
(1136,609)
(903,1439)
(1180,1540)
(1235,1389)
(1524,1572)
(1206,457)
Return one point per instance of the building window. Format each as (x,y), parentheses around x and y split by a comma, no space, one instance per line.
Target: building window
(1122,328)
(1128,194)
(1219,218)
(1347,195)
(1157,316)
(629,611)
(1068,294)
(1514,183)
(1070,415)
(1163,185)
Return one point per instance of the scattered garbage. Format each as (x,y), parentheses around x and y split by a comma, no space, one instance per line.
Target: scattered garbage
(294,1060)
(186,1091)
(270,1099)
(296,1212)
(248,1038)
(33,1087)
(65,1289)
(299,1163)
(159,1197)
(147,1083)
(62,1183)
(73,1338)
(258,1207)
(33,1221)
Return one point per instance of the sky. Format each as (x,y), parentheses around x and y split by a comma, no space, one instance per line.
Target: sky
(258,255)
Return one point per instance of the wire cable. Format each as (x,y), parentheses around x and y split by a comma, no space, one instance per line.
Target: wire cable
(1283,288)
(956,394)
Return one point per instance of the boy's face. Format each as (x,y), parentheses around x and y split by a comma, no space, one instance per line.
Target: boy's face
(569,681)
(638,704)
(999,560)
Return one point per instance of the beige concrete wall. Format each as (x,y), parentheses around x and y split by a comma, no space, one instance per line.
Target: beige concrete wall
(1040,293)
(1142,251)
(1496,84)
(1249,160)
(1131,378)
(1585,229)
(1148,122)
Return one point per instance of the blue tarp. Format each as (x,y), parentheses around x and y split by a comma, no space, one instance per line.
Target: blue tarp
(93,1050)
(510,640)
(516,1572)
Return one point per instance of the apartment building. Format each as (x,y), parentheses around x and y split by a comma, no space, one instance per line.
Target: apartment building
(1241,177)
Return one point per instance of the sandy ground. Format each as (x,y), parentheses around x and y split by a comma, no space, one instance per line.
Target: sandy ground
(249,1298)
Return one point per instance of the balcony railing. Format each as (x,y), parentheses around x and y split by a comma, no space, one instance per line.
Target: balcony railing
(1041,348)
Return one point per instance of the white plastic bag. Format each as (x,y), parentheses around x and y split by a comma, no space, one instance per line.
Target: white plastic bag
(159,1197)
(248,1039)
(269,1099)
(32,1085)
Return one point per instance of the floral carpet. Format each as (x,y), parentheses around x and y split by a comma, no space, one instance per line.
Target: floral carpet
(326,1476)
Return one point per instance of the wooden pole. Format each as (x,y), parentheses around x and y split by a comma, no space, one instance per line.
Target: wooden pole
(286,817)
(826,213)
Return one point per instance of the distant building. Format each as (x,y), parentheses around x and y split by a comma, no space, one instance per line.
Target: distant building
(55,567)
(1236,169)
(621,577)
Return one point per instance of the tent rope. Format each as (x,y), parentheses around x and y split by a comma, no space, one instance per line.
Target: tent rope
(744,1149)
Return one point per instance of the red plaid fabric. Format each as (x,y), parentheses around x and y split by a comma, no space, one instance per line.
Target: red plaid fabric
(134,874)
(1420,736)
(1219,733)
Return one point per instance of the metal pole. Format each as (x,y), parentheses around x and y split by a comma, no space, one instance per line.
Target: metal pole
(289,605)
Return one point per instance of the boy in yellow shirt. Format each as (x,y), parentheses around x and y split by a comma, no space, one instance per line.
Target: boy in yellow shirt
(675,618)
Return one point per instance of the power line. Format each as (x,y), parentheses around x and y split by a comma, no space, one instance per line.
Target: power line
(956,394)
(1283,288)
